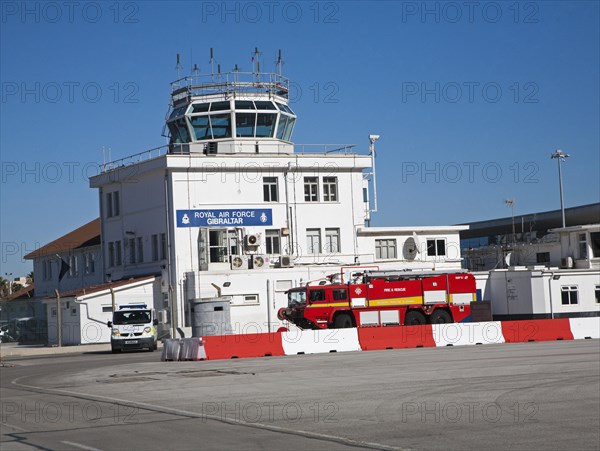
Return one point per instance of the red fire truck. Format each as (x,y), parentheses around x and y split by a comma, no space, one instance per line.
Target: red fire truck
(383,298)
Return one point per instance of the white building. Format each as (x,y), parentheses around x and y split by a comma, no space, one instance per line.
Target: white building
(232,207)
(538,291)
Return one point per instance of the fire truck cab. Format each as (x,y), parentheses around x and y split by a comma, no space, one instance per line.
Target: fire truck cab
(382,299)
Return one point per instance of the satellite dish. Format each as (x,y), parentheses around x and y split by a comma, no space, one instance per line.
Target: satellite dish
(409,250)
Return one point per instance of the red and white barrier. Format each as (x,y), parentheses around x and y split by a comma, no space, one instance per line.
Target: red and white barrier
(320,341)
(465,334)
(379,338)
(585,328)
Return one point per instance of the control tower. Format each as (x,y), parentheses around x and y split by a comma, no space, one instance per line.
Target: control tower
(230,113)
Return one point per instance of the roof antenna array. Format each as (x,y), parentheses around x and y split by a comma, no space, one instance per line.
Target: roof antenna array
(279,63)
(212,64)
(218,71)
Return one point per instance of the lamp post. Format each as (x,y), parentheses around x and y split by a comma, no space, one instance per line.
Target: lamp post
(559,156)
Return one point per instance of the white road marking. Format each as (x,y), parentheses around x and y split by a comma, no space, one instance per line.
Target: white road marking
(79,445)
(16,428)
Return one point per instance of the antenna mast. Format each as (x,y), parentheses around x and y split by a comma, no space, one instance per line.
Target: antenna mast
(279,63)
(212,64)
(178,67)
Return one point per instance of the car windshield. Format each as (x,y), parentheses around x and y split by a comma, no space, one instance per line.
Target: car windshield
(296,297)
(132,317)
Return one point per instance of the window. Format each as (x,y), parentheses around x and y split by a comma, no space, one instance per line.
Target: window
(569,295)
(140,250)
(313,243)
(385,249)
(222,244)
(73,269)
(317,295)
(270,191)
(47,270)
(109,205)
(73,311)
(436,247)
(542,257)
(131,246)
(113,204)
(272,241)
(163,246)
(595,242)
(339,294)
(155,248)
(90,263)
(330,189)
(597,294)
(107,308)
(311,189)
(118,255)
(582,245)
(53,312)
(111,254)
(332,240)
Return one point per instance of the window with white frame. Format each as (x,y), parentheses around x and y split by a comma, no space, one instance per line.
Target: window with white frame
(436,247)
(113,204)
(313,241)
(582,241)
(332,240)
(222,244)
(270,189)
(330,189)
(273,241)
(385,249)
(311,189)
(47,269)
(569,295)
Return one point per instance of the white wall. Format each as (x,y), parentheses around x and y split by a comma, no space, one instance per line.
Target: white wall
(46,286)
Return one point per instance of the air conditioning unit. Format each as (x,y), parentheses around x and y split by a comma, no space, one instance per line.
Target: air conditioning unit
(239,262)
(285,261)
(211,148)
(258,262)
(252,241)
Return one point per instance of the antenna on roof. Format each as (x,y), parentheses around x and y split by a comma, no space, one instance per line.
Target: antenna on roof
(218,71)
(255,60)
(212,64)
(195,72)
(178,67)
(279,63)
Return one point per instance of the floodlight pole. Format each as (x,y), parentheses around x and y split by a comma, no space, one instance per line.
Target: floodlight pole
(559,155)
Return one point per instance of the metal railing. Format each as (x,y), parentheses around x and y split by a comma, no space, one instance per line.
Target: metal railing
(184,149)
(229,83)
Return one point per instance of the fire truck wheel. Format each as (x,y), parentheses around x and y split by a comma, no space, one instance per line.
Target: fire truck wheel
(342,321)
(441,317)
(414,318)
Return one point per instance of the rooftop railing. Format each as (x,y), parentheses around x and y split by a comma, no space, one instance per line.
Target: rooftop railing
(229,83)
(266,149)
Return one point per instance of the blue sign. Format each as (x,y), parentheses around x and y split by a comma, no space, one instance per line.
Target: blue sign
(225,218)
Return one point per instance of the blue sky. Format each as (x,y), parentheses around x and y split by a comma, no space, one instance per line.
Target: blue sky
(470,101)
